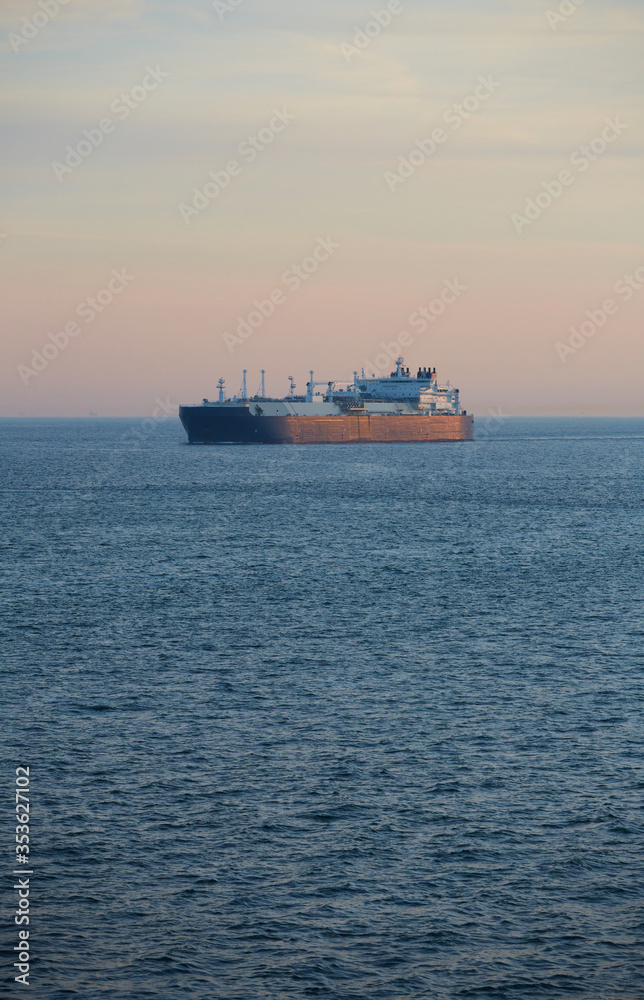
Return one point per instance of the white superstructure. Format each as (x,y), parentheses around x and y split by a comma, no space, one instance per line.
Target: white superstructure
(421,392)
(400,392)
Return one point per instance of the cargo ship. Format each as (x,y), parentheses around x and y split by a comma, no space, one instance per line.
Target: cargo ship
(400,407)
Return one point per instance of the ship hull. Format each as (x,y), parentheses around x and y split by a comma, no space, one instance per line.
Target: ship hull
(237,425)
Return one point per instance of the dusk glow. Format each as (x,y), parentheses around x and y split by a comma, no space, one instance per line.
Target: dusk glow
(322,434)
(322,129)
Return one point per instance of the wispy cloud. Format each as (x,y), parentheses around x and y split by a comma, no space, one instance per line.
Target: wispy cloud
(324,175)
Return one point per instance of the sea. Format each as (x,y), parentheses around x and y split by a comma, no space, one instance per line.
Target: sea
(359,722)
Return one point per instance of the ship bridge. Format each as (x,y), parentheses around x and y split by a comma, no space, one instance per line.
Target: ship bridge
(399,385)
(421,390)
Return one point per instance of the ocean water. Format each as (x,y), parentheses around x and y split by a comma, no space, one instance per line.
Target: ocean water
(354,723)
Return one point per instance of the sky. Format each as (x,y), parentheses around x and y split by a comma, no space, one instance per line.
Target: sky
(193,189)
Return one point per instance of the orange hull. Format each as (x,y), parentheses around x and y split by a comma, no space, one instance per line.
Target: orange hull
(374,428)
(236,425)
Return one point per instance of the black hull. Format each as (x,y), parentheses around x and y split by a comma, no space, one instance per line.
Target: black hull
(236,425)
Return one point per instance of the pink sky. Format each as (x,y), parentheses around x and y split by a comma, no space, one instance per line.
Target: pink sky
(223,149)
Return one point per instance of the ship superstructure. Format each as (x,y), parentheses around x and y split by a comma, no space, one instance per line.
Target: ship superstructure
(399,407)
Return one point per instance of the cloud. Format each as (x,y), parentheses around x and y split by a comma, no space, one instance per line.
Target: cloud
(13,11)
(354,120)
